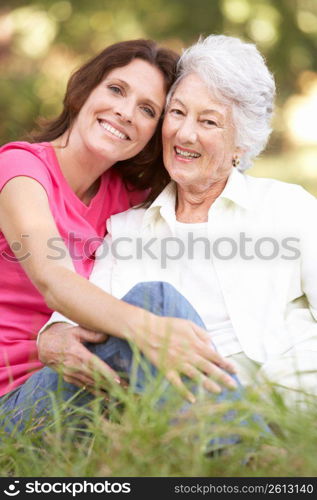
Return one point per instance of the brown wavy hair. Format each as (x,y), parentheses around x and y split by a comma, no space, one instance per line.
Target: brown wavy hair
(145,170)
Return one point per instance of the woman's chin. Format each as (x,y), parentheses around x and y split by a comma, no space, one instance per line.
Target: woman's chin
(180,176)
(182,179)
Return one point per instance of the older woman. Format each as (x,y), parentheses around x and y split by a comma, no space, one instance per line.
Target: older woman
(241,250)
(257,293)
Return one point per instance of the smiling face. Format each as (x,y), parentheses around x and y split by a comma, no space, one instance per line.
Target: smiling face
(121,113)
(198,136)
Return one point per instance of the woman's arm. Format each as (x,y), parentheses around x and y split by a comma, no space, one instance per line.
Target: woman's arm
(29,223)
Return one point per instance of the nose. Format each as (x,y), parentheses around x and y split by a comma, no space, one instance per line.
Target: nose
(187,132)
(125,110)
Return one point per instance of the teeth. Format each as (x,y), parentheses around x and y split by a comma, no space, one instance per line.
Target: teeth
(186,154)
(113,130)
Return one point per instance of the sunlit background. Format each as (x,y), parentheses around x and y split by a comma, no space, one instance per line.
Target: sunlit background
(42,42)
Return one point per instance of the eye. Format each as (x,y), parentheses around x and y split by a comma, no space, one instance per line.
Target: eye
(210,123)
(149,111)
(176,111)
(115,89)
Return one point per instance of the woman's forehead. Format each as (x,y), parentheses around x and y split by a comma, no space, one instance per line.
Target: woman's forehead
(193,91)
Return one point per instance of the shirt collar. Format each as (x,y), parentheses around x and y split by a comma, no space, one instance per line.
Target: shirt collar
(164,205)
(236,189)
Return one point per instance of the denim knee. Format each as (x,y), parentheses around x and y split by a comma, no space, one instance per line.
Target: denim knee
(150,288)
(163,299)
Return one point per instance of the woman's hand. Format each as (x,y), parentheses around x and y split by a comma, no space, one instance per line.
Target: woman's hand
(180,347)
(61,347)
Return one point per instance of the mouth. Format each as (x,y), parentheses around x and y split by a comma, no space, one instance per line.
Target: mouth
(185,154)
(113,130)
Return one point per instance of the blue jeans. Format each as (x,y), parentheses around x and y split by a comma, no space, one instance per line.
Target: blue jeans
(32,398)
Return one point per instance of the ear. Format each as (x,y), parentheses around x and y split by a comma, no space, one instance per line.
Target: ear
(236,158)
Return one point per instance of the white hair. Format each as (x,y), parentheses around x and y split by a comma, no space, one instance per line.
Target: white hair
(236,73)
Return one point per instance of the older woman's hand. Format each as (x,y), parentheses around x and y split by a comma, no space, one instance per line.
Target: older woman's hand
(61,347)
(180,347)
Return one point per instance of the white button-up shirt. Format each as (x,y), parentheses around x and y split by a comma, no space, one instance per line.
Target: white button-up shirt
(263,258)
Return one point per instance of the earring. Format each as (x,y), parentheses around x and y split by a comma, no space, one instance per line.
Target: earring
(235,161)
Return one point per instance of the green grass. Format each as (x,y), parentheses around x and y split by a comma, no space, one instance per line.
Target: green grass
(135,438)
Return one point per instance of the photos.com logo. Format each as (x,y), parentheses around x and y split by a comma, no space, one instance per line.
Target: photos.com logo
(73,488)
